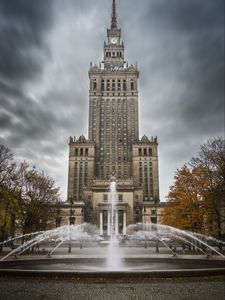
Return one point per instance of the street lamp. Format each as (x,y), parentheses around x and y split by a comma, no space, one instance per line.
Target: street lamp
(12,224)
(155,222)
(72,221)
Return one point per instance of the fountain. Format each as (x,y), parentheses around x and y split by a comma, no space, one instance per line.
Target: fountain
(178,252)
(114,260)
(131,253)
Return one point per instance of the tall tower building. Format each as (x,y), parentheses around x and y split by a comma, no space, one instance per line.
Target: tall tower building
(113,108)
(113,148)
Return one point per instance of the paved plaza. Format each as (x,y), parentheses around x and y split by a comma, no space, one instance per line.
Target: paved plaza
(84,288)
(156,289)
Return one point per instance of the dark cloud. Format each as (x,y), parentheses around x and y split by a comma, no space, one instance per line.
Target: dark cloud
(187,39)
(22,28)
(45,50)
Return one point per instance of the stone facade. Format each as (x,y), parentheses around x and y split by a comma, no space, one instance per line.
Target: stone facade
(113,147)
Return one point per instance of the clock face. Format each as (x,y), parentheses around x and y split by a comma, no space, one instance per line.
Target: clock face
(113,40)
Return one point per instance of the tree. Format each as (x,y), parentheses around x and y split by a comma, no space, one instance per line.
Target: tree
(196,200)
(186,208)
(28,198)
(211,158)
(7,204)
(37,199)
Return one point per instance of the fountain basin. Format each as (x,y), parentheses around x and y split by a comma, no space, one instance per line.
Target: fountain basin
(158,266)
(146,251)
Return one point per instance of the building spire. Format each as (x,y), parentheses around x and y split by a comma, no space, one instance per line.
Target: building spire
(114,19)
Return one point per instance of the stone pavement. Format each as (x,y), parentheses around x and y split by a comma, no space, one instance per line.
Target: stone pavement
(40,288)
(152,289)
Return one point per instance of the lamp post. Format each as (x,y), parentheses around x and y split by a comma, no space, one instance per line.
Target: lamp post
(12,225)
(156,221)
(72,221)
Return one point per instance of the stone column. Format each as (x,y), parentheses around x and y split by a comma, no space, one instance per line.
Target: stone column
(124,223)
(117,223)
(109,224)
(101,223)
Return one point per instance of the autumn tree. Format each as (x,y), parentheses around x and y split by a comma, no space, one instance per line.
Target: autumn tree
(196,200)
(37,197)
(28,198)
(7,203)
(211,159)
(186,205)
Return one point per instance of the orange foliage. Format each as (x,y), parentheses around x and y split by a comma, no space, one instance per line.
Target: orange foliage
(188,203)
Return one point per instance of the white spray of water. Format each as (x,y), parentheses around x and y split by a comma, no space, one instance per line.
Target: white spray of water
(83,232)
(151,231)
(114,258)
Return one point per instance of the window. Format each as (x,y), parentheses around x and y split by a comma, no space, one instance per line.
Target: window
(95,84)
(140,152)
(119,85)
(105,197)
(113,85)
(105,218)
(132,84)
(120,217)
(121,198)
(154,220)
(108,85)
(124,85)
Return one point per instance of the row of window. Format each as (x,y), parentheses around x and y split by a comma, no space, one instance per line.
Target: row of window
(114,85)
(107,171)
(114,54)
(144,152)
(109,101)
(145,163)
(81,151)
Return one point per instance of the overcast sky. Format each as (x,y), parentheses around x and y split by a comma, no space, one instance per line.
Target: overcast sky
(45,51)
